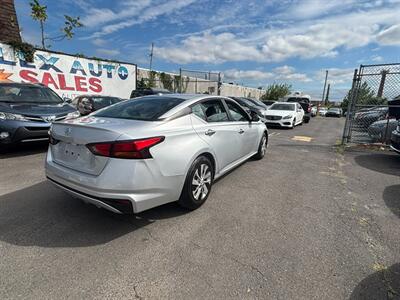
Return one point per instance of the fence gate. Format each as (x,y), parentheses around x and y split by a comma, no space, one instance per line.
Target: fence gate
(367,117)
(200,82)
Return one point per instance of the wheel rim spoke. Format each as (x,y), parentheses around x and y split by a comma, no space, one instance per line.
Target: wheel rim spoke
(197,192)
(205,190)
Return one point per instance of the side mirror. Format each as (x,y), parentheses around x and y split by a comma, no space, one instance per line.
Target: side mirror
(254,116)
(67,100)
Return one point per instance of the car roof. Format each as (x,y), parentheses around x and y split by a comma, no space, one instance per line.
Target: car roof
(281,102)
(90,96)
(22,84)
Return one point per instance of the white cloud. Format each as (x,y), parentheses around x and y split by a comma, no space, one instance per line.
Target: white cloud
(234,74)
(336,76)
(323,37)
(376,58)
(131,13)
(283,73)
(389,36)
(99,42)
(108,52)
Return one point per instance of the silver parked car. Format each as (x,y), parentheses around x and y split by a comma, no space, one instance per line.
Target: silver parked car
(152,150)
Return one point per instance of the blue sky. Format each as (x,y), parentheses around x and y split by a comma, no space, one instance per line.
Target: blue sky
(252,42)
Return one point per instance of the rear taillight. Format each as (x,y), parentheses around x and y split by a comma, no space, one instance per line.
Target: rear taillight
(134,149)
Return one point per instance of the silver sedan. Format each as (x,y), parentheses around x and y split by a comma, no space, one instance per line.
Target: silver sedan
(152,150)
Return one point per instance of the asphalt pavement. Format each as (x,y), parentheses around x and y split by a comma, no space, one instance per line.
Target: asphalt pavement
(309,221)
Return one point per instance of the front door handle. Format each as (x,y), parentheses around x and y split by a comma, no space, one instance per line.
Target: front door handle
(210,132)
(241,131)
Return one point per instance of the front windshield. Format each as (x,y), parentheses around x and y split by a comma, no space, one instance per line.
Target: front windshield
(282,106)
(15,93)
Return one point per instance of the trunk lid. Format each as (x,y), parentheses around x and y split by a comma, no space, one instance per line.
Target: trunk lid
(74,135)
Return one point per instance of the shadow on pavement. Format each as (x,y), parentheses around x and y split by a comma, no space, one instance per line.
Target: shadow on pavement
(42,215)
(386,163)
(391,196)
(24,149)
(384,284)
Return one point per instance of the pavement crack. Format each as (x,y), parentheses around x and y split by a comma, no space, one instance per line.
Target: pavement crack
(137,296)
(239,262)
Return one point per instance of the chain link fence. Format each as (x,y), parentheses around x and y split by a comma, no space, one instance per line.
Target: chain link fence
(187,81)
(370,102)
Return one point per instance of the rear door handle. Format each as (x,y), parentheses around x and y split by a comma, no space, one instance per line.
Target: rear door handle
(241,131)
(210,132)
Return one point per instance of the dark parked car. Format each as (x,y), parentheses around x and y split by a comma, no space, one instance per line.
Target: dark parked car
(148,91)
(395,139)
(258,103)
(87,104)
(366,116)
(305,104)
(27,111)
(268,103)
(380,132)
(250,107)
(333,112)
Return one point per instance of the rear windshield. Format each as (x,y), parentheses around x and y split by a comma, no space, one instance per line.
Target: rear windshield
(100,102)
(27,94)
(145,109)
(282,106)
(258,103)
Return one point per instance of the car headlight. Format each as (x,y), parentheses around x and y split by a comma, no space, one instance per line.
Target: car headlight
(10,116)
(73,115)
(287,117)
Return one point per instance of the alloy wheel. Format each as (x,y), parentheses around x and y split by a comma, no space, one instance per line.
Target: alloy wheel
(201,182)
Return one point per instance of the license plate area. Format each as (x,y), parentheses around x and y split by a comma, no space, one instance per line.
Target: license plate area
(74,156)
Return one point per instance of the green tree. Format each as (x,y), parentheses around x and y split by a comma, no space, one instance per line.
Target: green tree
(276,90)
(39,13)
(365,96)
(167,81)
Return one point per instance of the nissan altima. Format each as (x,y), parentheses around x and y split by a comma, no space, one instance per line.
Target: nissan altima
(152,150)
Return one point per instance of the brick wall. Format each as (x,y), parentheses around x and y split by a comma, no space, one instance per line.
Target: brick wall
(9,29)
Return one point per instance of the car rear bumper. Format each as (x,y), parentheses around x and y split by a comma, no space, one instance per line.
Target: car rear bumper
(18,131)
(139,182)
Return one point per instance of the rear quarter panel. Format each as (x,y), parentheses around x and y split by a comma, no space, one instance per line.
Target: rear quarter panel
(180,147)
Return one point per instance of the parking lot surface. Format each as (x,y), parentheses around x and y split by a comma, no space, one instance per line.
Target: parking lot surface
(306,222)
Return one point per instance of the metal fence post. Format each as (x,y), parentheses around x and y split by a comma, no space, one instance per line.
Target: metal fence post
(180,80)
(349,110)
(219,84)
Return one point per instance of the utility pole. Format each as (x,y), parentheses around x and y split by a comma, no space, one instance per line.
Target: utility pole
(326,79)
(327,94)
(151,56)
(382,83)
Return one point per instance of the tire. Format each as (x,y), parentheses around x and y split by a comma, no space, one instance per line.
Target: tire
(306,120)
(262,147)
(294,124)
(194,195)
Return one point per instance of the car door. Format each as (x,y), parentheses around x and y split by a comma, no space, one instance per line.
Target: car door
(211,122)
(248,133)
(299,113)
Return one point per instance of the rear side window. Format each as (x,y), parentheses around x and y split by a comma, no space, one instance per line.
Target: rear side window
(145,109)
(211,111)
